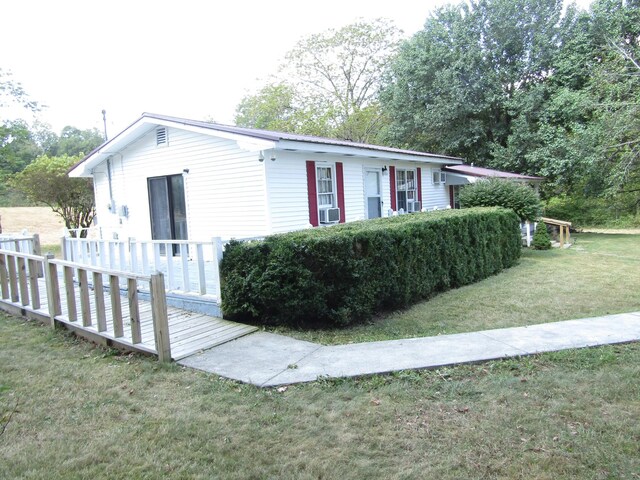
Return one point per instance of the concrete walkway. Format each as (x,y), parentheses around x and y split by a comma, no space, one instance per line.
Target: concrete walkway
(266,359)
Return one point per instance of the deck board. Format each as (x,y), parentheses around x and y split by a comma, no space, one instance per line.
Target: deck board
(189,332)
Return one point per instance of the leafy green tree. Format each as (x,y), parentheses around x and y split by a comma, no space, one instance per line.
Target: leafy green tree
(46,181)
(453,84)
(12,93)
(328,84)
(277,106)
(494,192)
(18,146)
(73,141)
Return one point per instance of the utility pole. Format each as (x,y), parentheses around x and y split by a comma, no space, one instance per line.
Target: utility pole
(104,121)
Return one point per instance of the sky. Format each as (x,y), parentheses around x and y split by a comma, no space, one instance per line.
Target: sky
(187,58)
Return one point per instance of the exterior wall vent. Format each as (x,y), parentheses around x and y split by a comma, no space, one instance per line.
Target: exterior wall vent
(161,136)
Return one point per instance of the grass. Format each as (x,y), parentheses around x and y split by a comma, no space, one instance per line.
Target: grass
(69,410)
(599,275)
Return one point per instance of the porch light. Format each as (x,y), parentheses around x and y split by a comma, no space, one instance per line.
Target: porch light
(384,170)
(261,157)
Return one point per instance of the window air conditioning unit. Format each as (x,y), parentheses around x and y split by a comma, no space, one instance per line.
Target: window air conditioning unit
(413,207)
(439,177)
(329,215)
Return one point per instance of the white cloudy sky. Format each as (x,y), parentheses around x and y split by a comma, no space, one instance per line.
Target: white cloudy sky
(188,58)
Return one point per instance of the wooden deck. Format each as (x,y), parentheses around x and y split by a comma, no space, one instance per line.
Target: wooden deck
(188,332)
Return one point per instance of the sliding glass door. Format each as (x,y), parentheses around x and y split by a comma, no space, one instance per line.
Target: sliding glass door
(168,208)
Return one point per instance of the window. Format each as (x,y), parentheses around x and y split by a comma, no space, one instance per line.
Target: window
(326,190)
(406,189)
(439,177)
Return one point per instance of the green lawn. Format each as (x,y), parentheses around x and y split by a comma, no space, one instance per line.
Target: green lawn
(599,275)
(72,411)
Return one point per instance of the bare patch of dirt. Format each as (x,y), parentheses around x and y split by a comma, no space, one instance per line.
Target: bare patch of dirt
(40,220)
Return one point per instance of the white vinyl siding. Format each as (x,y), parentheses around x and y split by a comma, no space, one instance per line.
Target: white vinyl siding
(433,195)
(218,171)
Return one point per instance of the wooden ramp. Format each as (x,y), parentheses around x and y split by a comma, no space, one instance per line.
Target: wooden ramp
(189,332)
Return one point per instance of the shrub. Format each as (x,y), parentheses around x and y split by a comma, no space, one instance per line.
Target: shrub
(344,274)
(495,192)
(541,238)
(593,212)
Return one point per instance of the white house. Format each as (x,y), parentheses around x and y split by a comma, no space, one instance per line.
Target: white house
(172,178)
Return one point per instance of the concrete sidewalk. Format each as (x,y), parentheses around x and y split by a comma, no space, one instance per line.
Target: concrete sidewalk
(266,359)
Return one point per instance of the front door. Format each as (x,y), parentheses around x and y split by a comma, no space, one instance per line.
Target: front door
(373,192)
(168,208)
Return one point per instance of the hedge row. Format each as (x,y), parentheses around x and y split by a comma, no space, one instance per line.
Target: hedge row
(346,273)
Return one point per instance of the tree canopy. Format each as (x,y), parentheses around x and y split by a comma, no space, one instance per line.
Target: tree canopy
(46,181)
(328,84)
(521,86)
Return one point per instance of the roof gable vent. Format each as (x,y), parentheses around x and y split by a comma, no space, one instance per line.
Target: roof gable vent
(161,136)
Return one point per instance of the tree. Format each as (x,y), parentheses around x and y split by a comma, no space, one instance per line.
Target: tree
(453,85)
(46,181)
(495,192)
(12,93)
(329,84)
(17,145)
(541,238)
(73,141)
(276,106)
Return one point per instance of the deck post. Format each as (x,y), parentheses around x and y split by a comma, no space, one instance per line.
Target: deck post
(53,289)
(13,279)
(63,248)
(160,317)
(37,250)
(35,269)
(528,227)
(218,251)
(4,276)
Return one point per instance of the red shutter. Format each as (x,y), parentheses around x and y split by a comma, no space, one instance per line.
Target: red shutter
(451,196)
(312,191)
(340,186)
(419,180)
(392,184)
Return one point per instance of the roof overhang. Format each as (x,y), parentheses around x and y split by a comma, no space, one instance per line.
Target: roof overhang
(144,125)
(459,179)
(251,141)
(373,153)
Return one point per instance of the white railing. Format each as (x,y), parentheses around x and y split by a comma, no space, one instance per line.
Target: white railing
(527,230)
(189,266)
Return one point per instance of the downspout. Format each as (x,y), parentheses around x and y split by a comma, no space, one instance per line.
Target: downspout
(112,205)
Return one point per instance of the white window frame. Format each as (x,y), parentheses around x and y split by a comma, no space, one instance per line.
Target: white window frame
(412,194)
(334,190)
(438,177)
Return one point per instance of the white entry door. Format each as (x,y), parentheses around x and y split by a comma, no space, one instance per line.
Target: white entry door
(373,192)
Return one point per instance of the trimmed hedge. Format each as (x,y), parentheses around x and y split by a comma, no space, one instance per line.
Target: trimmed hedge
(346,273)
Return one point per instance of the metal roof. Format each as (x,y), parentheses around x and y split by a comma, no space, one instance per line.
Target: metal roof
(277,136)
(251,138)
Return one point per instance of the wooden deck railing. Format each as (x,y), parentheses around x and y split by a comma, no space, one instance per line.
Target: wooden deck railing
(190,266)
(21,243)
(19,286)
(564,229)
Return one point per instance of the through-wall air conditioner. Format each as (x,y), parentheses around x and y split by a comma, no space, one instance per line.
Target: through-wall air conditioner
(413,207)
(329,215)
(439,177)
